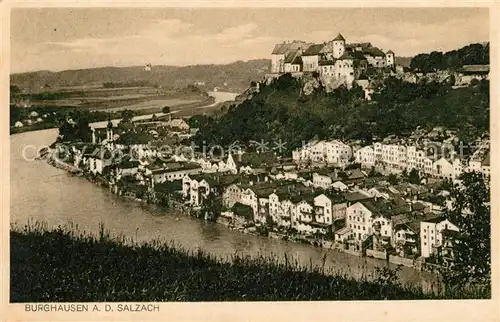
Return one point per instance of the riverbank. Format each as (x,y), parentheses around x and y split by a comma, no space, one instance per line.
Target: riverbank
(65,265)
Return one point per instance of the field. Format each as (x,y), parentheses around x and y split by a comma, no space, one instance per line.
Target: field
(150,104)
(62,265)
(139,99)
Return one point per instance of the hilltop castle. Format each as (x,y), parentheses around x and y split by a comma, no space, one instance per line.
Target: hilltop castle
(335,61)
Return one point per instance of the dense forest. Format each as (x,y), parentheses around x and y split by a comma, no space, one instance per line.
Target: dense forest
(280,112)
(473,54)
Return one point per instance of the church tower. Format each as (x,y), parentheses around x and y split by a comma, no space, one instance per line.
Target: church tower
(338,46)
(389,57)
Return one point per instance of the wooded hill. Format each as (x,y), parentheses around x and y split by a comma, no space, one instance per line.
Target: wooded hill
(473,54)
(280,111)
(237,75)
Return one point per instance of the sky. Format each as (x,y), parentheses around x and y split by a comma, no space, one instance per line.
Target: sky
(73,38)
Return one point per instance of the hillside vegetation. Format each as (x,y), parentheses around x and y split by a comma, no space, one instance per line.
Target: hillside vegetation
(281,111)
(237,75)
(473,54)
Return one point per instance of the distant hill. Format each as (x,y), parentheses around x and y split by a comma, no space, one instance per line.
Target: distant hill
(237,76)
(403,61)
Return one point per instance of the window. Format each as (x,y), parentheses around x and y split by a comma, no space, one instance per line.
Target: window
(399,235)
(425,244)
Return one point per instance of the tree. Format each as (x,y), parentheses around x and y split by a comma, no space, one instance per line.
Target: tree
(392,179)
(471,214)
(413,177)
(212,207)
(166,109)
(154,118)
(127,116)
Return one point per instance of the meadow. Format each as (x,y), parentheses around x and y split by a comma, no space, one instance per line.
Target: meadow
(52,265)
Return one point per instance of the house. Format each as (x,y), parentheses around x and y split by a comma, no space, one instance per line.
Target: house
(175,171)
(359,221)
(333,152)
(431,234)
(249,198)
(339,186)
(280,52)
(305,219)
(18,124)
(330,207)
(326,180)
(405,238)
(178,124)
(310,58)
(293,61)
(469,72)
(366,157)
(196,189)
(445,169)
(99,159)
(252,162)
(232,194)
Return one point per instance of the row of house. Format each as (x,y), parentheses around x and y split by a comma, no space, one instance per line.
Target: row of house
(395,157)
(399,157)
(349,217)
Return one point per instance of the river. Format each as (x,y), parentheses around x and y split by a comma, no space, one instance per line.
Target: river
(40,192)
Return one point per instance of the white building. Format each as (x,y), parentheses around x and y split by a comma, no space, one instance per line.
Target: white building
(431,234)
(366,157)
(333,152)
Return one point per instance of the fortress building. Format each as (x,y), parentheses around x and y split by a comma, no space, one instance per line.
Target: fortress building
(335,60)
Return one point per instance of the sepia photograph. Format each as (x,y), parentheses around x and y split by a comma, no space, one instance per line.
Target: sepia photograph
(248,154)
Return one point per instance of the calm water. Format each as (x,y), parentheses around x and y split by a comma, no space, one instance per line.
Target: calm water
(40,192)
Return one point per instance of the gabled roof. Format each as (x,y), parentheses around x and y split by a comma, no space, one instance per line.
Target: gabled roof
(390,52)
(313,50)
(359,44)
(373,51)
(339,38)
(290,56)
(297,60)
(354,55)
(475,68)
(356,196)
(280,49)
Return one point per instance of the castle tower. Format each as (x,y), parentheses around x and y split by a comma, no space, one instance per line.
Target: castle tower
(389,58)
(338,46)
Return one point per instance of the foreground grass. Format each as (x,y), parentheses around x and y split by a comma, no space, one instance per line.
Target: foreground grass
(60,265)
